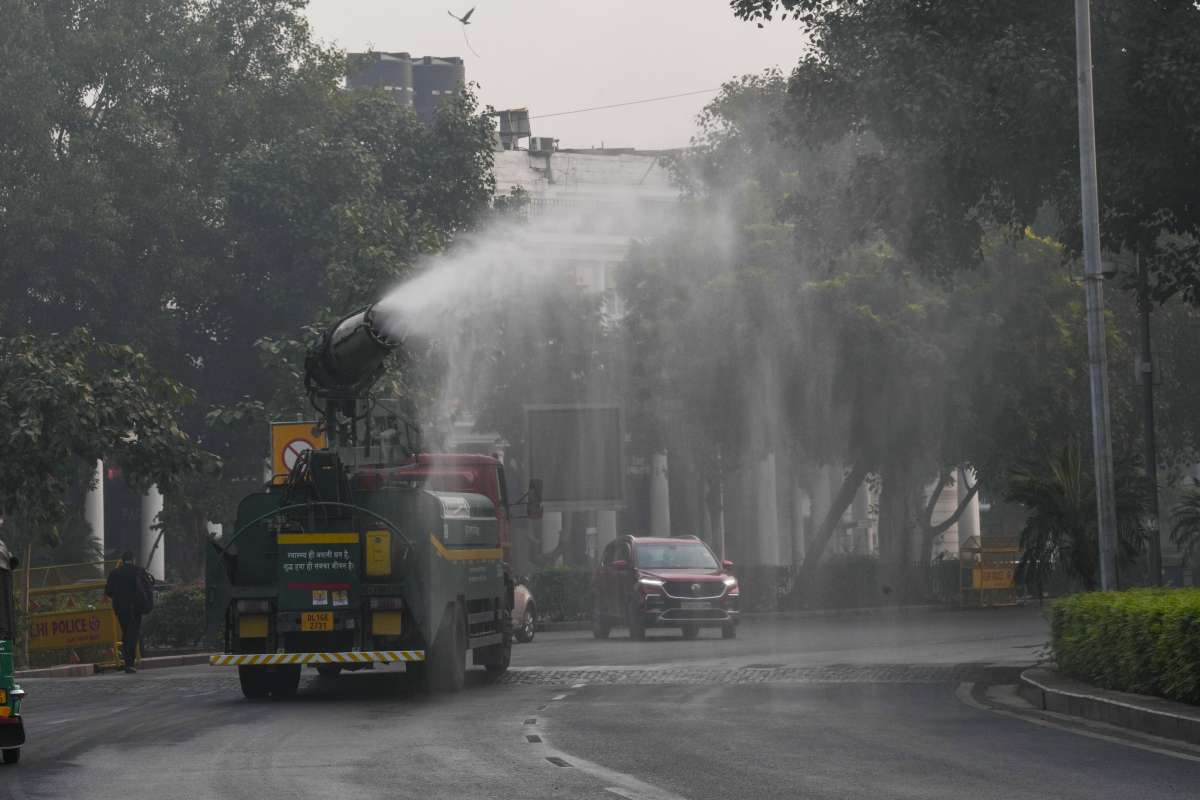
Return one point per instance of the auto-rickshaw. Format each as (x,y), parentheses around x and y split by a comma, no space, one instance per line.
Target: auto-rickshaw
(12,729)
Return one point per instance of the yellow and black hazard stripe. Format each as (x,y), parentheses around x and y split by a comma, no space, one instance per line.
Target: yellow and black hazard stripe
(270,659)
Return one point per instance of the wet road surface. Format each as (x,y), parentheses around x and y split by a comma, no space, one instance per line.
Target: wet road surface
(825,707)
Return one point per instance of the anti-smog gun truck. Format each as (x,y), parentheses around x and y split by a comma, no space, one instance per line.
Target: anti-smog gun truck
(366,552)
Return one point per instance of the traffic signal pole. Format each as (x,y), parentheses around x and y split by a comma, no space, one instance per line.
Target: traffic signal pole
(1094,286)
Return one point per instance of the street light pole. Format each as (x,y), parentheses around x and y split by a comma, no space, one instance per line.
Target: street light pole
(1094,284)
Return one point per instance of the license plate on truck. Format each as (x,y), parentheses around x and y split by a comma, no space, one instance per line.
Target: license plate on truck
(316,621)
(694,605)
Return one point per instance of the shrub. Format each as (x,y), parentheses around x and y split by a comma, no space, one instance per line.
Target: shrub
(177,620)
(1142,640)
(562,593)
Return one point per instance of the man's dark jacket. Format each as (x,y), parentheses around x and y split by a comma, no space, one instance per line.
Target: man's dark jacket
(125,586)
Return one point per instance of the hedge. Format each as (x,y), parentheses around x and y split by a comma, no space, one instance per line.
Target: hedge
(562,593)
(178,619)
(1142,640)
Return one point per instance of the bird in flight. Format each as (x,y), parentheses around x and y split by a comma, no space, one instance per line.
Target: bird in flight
(465,19)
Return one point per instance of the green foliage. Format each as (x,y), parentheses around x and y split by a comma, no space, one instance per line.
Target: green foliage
(1145,641)
(563,593)
(1185,521)
(67,400)
(177,620)
(972,104)
(1061,528)
(191,178)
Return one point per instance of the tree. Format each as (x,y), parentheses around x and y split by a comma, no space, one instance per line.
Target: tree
(1060,534)
(878,363)
(191,179)
(68,400)
(973,104)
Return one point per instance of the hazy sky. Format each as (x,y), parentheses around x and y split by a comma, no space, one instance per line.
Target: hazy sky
(561,55)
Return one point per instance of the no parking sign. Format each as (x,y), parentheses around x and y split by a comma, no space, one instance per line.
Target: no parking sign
(289,440)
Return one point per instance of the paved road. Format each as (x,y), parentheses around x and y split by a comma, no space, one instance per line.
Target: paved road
(836,707)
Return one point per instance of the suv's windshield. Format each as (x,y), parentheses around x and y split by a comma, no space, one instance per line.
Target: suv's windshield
(675,556)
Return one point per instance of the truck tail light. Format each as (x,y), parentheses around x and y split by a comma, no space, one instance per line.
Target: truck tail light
(387,603)
(254,606)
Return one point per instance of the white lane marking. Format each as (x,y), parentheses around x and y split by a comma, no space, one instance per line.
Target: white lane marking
(579,686)
(618,783)
(963,692)
(622,793)
(559,697)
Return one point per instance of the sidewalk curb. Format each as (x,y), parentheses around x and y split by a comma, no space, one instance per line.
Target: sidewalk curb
(84,670)
(1047,690)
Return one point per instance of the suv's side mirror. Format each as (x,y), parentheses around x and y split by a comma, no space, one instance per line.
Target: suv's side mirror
(620,564)
(533,507)
(727,565)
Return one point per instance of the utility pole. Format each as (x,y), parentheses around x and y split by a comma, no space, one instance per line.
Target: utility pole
(1094,285)
(1146,377)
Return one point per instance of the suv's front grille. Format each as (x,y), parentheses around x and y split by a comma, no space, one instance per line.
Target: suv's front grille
(697,589)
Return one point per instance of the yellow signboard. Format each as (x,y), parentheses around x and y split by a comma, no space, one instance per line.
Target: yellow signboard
(379,554)
(66,629)
(289,440)
(993,578)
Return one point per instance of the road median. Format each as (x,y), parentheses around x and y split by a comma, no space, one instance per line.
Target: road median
(1049,690)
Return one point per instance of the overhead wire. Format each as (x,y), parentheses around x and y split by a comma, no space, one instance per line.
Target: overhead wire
(627,103)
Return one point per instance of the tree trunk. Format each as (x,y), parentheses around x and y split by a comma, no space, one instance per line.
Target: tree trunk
(929,531)
(895,520)
(816,546)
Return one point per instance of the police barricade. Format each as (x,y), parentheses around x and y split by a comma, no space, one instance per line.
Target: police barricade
(68,612)
(988,573)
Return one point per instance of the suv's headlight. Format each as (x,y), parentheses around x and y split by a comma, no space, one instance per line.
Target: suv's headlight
(650,582)
(730,581)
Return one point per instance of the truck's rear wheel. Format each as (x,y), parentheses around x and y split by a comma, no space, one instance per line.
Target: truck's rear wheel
(256,682)
(285,681)
(446,670)
(329,670)
(496,658)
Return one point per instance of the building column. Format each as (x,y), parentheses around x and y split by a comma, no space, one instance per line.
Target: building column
(768,513)
(945,543)
(152,506)
(606,528)
(93,508)
(968,523)
(552,523)
(660,496)
(802,519)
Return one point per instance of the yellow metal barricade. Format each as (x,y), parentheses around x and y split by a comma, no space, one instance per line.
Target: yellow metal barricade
(69,612)
(988,574)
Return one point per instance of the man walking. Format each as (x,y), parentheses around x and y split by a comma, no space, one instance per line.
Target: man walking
(131,593)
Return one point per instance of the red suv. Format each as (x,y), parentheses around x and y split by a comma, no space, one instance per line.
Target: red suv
(663,583)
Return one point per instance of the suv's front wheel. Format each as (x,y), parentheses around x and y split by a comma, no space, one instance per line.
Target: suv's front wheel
(601,627)
(633,618)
